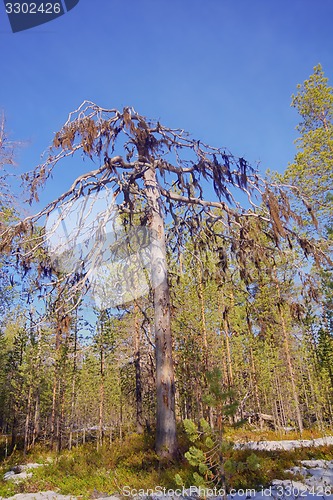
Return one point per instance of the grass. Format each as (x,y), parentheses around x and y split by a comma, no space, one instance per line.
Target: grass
(246,433)
(86,473)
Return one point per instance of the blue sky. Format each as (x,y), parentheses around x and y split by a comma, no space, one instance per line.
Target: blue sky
(222,69)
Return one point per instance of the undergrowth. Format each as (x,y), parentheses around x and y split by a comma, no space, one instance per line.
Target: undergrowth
(247,433)
(87,473)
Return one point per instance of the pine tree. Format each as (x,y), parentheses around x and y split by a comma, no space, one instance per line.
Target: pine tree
(312,170)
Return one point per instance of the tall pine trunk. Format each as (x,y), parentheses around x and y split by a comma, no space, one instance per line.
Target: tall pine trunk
(73,392)
(27,422)
(138,381)
(254,370)
(166,435)
(288,356)
(101,399)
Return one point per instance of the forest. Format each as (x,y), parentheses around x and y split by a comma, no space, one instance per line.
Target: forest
(190,294)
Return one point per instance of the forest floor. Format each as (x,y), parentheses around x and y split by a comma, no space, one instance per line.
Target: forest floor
(286,470)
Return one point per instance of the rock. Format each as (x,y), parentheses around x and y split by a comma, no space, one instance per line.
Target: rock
(17,469)
(109,498)
(31,466)
(44,495)
(8,475)
(20,472)
(285,444)
(17,477)
(317,463)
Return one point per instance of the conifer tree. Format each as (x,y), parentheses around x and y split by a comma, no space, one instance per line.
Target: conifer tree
(312,170)
(161,169)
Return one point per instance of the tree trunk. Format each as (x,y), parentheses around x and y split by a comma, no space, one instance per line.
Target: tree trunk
(203,321)
(62,415)
(229,360)
(36,419)
(137,363)
(14,431)
(288,356)
(208,410)
(27,422)
(54,405)
(56,383)
(280,399)
(166,435)
(223,346)
(73,394)
(255,387)
(101,399)
(121,417)
(254,371)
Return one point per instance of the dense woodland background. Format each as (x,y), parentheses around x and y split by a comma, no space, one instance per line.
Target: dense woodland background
(252,334)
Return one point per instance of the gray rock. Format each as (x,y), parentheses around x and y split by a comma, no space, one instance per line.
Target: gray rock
(44,495)
(11,476)
(20,472)
(8,475)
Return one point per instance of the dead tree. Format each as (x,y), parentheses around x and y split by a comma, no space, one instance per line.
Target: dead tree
(159,170)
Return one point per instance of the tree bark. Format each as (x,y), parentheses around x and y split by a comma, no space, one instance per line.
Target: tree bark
(254,371)
(203,320)
(137,363)
(166,435)
(73,394)
(288,356)
(101,399)
(27,422)
(54,407)
(36,419)
(229,360)
(208,410)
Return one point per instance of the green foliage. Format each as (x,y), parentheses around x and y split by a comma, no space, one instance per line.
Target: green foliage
(252,462)
(198,480)
(312,170)
(205,458)
(191,430)
(179,480)
(209,442)
(195,456)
